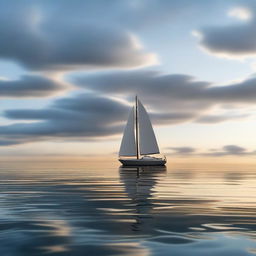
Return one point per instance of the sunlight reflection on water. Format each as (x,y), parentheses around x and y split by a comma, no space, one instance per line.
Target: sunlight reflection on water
(128,211)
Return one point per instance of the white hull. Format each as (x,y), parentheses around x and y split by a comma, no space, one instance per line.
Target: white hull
(142,162)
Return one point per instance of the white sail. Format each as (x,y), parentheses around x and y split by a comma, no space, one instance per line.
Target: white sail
(147,139)
(128,145)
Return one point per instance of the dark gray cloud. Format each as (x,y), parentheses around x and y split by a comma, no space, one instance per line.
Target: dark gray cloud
(9,142)
(235,40)
(64,35)
(35,36)
(169,99)
(231,41)
(161,91)
(86,115)
(174,94)
(129,14)
(29,86)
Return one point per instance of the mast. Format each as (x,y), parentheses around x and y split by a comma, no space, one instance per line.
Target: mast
(136,127)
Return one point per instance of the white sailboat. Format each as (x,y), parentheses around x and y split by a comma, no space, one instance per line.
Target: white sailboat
(139,141)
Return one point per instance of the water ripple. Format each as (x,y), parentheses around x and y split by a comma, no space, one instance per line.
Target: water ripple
(127,211)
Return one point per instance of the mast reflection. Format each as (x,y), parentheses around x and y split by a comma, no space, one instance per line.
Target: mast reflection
(139,184)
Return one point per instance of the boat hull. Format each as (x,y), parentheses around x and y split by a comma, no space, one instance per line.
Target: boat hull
(142,162)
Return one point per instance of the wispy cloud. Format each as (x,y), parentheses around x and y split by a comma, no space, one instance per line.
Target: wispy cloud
(182,150)
(227,150)
(29,86)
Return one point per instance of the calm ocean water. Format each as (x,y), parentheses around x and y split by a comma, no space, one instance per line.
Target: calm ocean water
(104,210)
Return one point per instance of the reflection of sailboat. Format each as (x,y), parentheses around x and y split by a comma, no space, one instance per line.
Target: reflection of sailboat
(139,183)
(139,140)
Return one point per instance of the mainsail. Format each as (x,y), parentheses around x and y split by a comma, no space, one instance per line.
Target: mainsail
(128,145)
(147,140)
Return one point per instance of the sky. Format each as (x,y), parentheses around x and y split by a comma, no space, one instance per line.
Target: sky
(69,72)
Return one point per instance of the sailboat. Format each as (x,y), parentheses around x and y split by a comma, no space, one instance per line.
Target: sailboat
(139,141)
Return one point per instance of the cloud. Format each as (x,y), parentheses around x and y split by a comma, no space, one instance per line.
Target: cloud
(234,149)
(169,99)
(220,118)
(241,13)
(182,150)
(230,150)
(227,150)
(85,34)
(174,94)
(39,40)
(132,15)
(85,116)
(29,86)
(231,41)
(9,142)
(167,118)
(160,90)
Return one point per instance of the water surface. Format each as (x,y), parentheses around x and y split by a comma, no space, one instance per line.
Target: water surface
(110,210)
